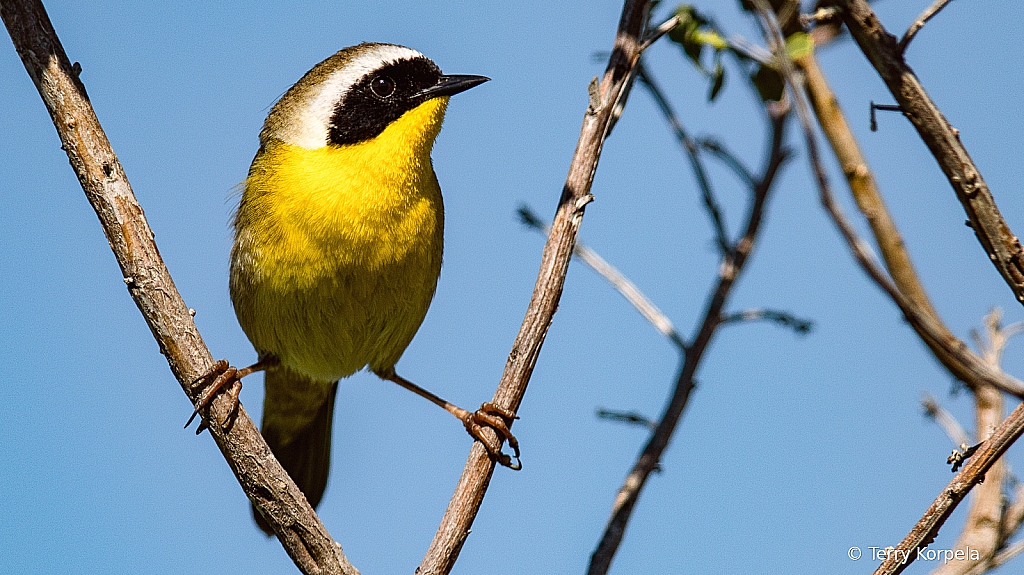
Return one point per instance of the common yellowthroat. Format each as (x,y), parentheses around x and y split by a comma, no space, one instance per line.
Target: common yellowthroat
(338,241)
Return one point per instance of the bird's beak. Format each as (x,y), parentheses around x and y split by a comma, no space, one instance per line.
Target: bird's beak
(449,85)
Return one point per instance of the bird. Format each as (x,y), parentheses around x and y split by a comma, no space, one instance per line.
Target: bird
(338,241)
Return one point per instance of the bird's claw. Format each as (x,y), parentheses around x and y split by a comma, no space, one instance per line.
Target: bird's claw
(225,374)
(498,419)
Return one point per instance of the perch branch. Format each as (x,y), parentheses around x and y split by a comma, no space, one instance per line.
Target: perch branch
(604,97)
(106,186)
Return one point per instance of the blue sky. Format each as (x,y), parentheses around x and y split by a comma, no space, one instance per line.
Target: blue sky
(792,450)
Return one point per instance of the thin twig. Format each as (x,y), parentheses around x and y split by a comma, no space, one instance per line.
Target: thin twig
(613,276)
(783,318)
(652,36)
(620,101)
(1000,244)
(720,151)
(997,336)
(1000,559)
(925,16)
(692,152)
(105,184)
(748,49)
(469,492)
(630,417)
(1013,516)
(945,419)
(820,15)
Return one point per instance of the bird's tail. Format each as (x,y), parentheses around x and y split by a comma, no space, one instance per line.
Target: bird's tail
(297,417)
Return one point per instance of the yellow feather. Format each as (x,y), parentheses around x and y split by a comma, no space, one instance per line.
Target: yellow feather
(338,249)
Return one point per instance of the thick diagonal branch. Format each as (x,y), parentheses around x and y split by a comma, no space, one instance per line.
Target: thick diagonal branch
(472,485)
(946,347)
(102,178)
(884,53)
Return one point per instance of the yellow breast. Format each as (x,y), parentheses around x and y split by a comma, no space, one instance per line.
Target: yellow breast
(338,249)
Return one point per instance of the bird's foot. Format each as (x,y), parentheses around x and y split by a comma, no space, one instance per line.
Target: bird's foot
(225,374)
(498,419)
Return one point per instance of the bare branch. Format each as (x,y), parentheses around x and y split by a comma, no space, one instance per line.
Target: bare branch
(720,151)
(1001,558)
(996,336)
(977,371)
(462,509)
(613,276)
(692,148)
(1011,520)
(1014,515)
(945,419)
(1007,432)
(927,528)
(925,16)
(653,36)
(862,182)
(982,528)
(952,352)
(820,15)
(732,264)
(1001,245)
(620,101)
(631,417)
(106,186)
(980,532)
(935,335)
(748,49)
(783,318)
(692,152)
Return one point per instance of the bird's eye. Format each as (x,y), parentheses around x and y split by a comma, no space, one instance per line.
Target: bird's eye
(382,86)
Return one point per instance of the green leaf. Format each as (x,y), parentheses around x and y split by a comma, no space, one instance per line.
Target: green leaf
(694,33)
(693,50)
(691,35)
(688,22)
(711,38)
(769,83)
(718,82)
(799,44)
